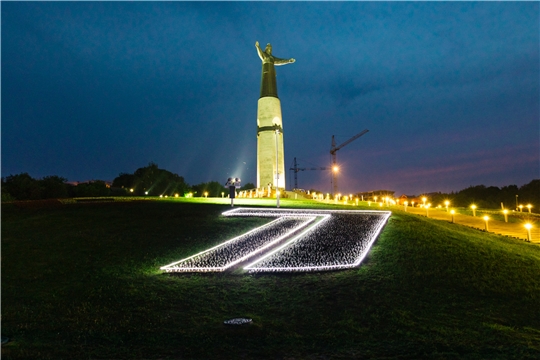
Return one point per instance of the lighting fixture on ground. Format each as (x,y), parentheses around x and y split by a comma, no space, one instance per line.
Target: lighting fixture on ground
(486,218)
(452,212)
(528,227)
(505,212)
(473,207)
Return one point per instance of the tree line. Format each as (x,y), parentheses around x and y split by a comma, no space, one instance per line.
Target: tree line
(490,197)
(146,181)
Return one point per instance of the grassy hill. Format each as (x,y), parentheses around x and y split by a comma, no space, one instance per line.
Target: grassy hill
(82,281)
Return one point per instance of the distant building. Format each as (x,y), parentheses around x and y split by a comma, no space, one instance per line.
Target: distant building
(370,195)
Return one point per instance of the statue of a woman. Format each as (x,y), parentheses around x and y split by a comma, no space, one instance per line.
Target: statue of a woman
(268,78)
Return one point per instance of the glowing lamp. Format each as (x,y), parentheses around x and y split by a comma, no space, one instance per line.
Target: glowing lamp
(528,227)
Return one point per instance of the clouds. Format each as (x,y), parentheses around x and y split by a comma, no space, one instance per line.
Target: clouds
(177,83)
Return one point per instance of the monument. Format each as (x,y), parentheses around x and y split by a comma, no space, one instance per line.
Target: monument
(270,154)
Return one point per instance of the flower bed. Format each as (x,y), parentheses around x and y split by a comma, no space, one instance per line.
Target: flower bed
(336,239)
(340,242)
(235,250)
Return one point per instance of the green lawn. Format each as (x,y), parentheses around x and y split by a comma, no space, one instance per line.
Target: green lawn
(82,281)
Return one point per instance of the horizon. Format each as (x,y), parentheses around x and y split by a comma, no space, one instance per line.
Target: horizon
(448,91)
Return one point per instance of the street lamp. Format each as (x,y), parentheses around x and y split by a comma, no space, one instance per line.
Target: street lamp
(427,209)
(505,212)
(517,202)
(452,212)
(405,205)
(473,207)
(528,227)
(424,200)
(446,203)
(520,208)
(206,194)
(529,206)
(486,218)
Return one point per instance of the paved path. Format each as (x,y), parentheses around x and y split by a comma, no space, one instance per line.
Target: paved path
(516,230)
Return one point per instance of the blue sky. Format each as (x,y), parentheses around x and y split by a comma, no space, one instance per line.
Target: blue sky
(449,91)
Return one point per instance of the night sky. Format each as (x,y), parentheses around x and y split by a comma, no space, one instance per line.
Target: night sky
(449,91)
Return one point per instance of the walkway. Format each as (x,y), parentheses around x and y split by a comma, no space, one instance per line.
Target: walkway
(516,230)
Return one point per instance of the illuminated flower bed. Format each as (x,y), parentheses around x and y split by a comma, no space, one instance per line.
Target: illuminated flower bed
(340,242)
(240,248)
(308,240)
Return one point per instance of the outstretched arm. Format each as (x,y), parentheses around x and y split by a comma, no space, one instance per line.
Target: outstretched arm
(278,61)
(259,51)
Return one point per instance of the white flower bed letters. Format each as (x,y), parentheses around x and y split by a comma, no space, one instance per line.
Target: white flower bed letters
(313,240)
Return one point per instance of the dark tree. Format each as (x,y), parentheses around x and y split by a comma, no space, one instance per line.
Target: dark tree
(53,187)
(151,180)
(124,181)
(22,187)
(213,188)
(92,189)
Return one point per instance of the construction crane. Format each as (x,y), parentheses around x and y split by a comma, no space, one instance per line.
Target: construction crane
(297,169)
(333,151)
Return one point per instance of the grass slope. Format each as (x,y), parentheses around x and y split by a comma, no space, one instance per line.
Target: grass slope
(82,282)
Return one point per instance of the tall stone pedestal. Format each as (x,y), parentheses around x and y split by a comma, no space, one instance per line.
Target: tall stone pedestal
(268,121)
